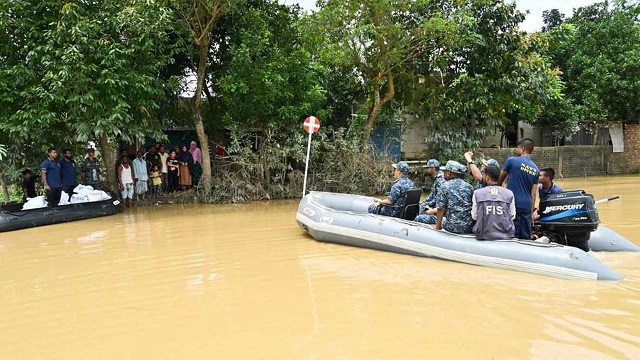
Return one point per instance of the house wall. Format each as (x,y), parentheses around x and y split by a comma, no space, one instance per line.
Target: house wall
(629,160)
(583,160)
(413,135)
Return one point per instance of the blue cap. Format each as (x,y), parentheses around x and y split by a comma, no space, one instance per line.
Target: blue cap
(455,167)
(402,166)
(491,162)
(433,163)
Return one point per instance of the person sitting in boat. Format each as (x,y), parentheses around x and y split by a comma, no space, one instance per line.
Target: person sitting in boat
(427,212)
(396,197)
(454,200)
(478,173)
(493,208)
(546,187)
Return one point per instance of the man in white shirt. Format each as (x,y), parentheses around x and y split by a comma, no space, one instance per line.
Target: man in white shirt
(163,167)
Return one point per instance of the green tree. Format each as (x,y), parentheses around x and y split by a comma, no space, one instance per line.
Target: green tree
(602,68)
(199,18)
(266,74)
(552,19)
(484,75)
(377,38)
(90,71)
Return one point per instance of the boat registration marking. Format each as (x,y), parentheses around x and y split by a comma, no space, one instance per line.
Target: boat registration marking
(309,212)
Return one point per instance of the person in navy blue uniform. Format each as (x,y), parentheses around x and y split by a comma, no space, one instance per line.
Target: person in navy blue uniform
(547,187)
(522,176)
(396,196)
(51,178)
(68,172)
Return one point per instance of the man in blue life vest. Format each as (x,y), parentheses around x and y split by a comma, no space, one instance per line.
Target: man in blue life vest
(478,173)
(51,178)
(454,200)
(396,196)
(493,208)
(522,180)
(427,212)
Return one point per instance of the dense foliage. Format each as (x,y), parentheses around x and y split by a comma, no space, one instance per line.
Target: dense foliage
(597,50)
(249,71)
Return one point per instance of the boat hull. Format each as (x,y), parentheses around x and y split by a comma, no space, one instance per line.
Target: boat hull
(342,219)
(13,219)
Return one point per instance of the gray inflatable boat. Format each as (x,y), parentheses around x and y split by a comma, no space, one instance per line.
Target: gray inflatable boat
(343,219)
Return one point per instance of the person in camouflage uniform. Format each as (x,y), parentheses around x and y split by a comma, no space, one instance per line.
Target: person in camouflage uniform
(478,173)
(396,197)
(454,201)
(427,213)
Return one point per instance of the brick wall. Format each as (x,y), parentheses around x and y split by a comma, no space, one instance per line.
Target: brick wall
(576,161)
(628,161)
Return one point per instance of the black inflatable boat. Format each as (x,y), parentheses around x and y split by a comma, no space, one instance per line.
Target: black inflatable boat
(12,217)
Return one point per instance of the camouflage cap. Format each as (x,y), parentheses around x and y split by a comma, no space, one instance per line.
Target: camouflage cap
(402,166)
(455,167)
(432,163)
(491,162)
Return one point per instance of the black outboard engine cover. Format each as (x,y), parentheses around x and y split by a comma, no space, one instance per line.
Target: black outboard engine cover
(571,211)
(572,215)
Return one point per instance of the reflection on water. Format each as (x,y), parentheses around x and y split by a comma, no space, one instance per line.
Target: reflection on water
(244,281)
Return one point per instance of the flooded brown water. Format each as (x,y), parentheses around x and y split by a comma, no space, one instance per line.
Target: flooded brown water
(205,282)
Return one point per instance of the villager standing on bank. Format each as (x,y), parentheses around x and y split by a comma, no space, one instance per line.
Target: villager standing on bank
(186,167)
(173,172)
(493,208)
(152,157)
(90,170)
(396,196)
(523,176)
(68,172)
(196,154)
(28,185)
(142,176)
(51,178)
(126,174)
(163,167)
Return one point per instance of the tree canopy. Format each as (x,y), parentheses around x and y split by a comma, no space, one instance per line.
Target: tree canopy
(110,71)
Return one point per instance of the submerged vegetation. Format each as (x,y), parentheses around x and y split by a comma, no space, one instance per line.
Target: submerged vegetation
(249,71)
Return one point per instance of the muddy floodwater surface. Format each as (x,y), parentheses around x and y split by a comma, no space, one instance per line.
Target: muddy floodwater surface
(243,281)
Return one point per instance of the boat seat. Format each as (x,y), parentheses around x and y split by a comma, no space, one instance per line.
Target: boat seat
(411,205)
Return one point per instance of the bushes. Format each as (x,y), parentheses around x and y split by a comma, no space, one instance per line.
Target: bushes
(276,169)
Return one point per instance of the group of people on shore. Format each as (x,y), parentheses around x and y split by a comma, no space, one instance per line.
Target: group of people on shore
(490,211)
(158,171)
(153,172)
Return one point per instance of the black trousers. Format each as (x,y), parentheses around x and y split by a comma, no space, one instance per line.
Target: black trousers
(173,181)
(53,196)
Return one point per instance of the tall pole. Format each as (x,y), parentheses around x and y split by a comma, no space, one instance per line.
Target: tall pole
(306,165)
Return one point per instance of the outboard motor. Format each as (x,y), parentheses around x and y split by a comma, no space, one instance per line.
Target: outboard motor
(569,217)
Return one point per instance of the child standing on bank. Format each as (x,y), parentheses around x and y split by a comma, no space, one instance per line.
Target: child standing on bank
(156,180)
